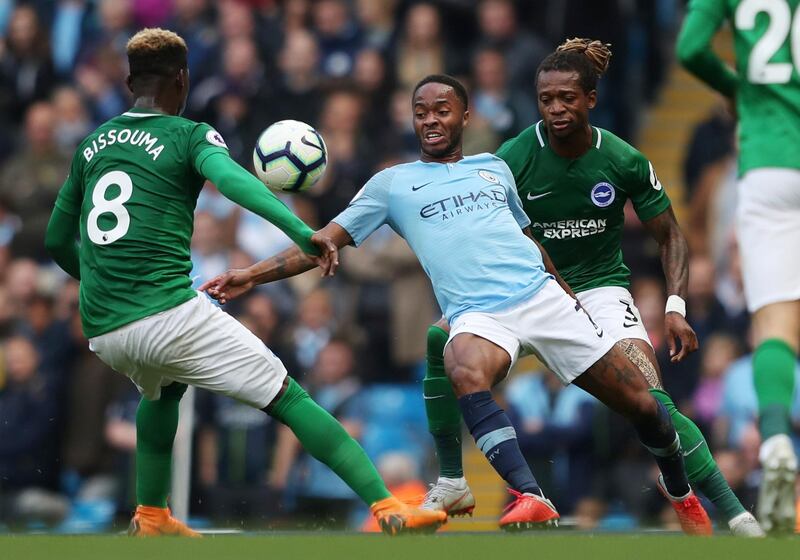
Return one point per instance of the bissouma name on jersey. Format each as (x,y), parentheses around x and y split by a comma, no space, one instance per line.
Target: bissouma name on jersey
(141,138)
(570,229)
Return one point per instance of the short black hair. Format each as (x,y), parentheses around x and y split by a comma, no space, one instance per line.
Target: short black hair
(458,87)
(156,52)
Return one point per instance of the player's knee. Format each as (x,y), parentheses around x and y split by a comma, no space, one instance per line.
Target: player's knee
(467,379)
(643,406)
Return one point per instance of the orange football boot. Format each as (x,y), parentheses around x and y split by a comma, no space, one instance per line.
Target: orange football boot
(528,511)
(158,522)
(693,518)
(395,517)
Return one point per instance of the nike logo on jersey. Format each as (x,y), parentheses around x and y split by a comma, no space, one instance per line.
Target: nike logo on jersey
(535,196)
(418,187)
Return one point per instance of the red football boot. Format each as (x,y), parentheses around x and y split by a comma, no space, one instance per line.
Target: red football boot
(694,519)
(528,511)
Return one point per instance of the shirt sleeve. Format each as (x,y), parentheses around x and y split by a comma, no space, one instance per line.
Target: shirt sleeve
(514,202)
(203,142)
(693,48)
(369,209)
(70,196)
(646,191)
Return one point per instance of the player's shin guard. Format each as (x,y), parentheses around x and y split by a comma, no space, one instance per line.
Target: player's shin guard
(700,466)
(156,424)
(660,438)
(496,438)
(441,407)
(327,441)
(773,376)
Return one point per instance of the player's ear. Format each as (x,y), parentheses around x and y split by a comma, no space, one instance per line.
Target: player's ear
(591,99)
(129,83)
(465,118)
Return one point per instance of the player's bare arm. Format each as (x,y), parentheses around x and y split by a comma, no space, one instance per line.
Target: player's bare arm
(291,262)
(675,262)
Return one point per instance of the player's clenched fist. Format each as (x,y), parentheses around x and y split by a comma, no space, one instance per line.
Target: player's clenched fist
(229,285)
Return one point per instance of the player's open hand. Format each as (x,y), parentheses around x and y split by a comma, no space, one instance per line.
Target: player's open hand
(229,285)
(328,258)
(677,329)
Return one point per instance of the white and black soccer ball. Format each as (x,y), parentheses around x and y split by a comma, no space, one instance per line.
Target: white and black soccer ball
(290,156)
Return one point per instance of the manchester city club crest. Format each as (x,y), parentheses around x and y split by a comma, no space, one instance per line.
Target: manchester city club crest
(603,194)
(488,176)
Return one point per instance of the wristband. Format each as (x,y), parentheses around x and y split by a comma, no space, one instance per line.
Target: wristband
(676,304)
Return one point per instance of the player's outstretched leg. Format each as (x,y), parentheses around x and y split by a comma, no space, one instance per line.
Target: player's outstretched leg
(700,465)
(618,383)
(327,441)
(474,365)
(773,375)
(156,423)
(450,493)
(703,472)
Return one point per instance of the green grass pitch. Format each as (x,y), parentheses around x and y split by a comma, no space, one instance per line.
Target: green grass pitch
(334,546)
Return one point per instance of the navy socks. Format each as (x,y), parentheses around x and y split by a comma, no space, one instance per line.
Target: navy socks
(496,438)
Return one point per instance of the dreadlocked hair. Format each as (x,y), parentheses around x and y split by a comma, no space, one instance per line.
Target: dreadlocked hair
(588,57)
(156,52)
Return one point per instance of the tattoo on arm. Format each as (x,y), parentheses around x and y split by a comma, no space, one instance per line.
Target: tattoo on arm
(289,263)
(674,251)
(641,361)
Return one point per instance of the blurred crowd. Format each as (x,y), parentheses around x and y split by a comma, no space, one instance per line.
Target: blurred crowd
(356,342)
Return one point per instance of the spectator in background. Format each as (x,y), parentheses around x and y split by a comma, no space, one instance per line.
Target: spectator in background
(372,78)
(421,47)
(316,326)
(297,92)
(67,34)
(554,428)
(101,77)
(719,352)
(507,111)
(242,77)
(30,181)
(338,35)
(115,26)
(29,436)
(191,19)
(350,158)
(208,251)
(736,423)
(712,141)
(22,283)
(26,69)
(51,338)
(72,119)
(499,28)
(383,277)
(377,20)
(321,497)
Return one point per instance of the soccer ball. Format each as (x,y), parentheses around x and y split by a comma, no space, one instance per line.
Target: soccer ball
(290,156)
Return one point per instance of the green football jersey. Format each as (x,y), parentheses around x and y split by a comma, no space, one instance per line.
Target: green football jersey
(766,37)
(576,206)
(134,183)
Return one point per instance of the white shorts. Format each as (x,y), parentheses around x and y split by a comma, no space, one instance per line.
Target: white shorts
(548,325)
(768,229)
(612,308)
(194,343)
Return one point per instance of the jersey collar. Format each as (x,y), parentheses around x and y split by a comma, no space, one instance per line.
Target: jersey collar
(139,112)
(541,136)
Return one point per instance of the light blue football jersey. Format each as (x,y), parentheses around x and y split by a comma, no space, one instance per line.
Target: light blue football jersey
(464,221)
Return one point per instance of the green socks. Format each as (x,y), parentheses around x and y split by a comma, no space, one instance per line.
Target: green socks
(327,441)
(773,376)
(156,423)
(441,407)
(700,466)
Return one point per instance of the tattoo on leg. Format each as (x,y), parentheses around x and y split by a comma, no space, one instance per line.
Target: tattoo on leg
(641,361)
